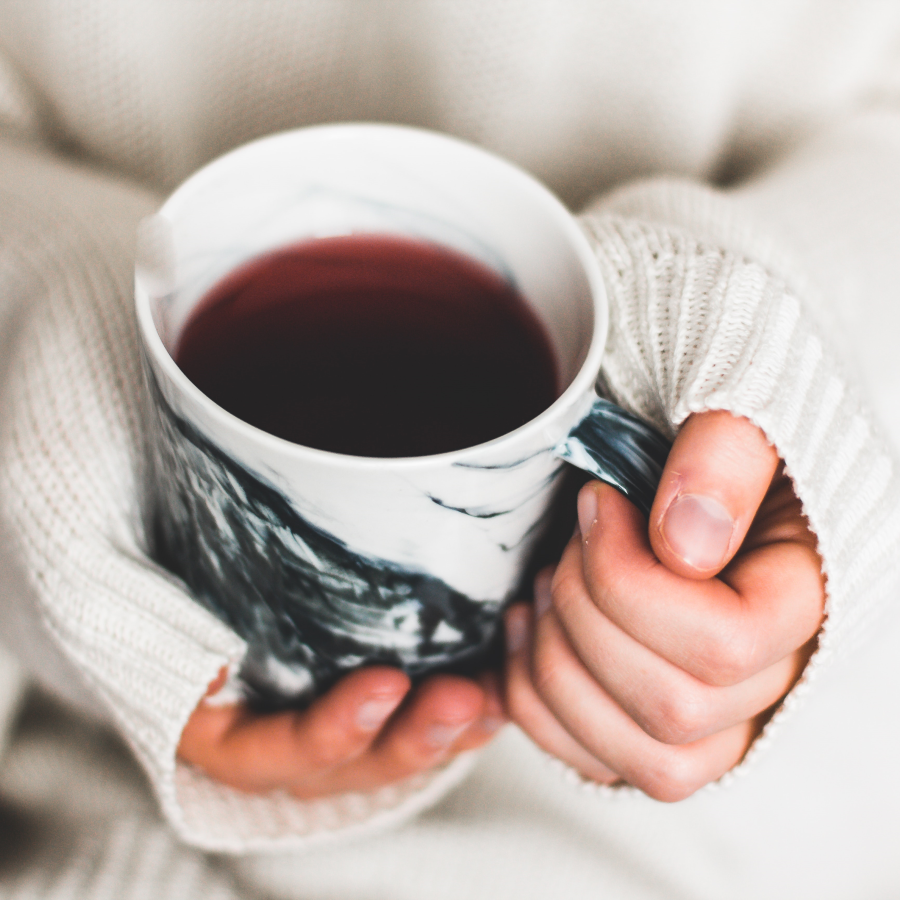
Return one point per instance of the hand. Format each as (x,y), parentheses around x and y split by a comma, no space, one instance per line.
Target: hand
(655,657)
(369,730)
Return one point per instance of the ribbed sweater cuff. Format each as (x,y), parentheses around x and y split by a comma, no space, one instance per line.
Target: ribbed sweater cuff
(696,325)
(71,477)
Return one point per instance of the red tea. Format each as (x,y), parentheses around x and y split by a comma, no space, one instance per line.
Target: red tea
(371,345)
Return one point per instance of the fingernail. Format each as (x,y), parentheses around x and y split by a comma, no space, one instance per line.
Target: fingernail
(442,735)
(516,632)
(587,510)
(543,596)
(375,712)
(698,529)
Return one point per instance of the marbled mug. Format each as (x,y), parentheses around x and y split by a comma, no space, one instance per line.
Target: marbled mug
(324,562)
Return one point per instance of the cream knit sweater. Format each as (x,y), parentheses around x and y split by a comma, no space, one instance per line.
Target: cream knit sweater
(745,160)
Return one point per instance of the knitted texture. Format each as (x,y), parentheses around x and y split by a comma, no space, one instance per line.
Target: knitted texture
(586,95)
(102,837)
(695,327)
(71,489)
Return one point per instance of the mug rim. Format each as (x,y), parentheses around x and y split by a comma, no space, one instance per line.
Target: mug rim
(579,387)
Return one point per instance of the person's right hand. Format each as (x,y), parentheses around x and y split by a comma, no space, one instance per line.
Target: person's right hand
(370,730)
(657,651)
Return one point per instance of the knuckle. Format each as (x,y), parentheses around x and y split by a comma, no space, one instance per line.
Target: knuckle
(407,754)
(397,764)
(568,587)
(518,701)
(672,776)
(679,717)
(326,745)
(408,758)
(425,744)
(547,666)
(518,698)
(730,657)
(324,752)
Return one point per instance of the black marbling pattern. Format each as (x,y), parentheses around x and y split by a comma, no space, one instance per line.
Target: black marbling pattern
(620,449)
(310,608)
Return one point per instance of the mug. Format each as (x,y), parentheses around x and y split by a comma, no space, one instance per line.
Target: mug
(325,562)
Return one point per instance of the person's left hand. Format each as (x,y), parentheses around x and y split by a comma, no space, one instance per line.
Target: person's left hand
(654,657)
(370,730)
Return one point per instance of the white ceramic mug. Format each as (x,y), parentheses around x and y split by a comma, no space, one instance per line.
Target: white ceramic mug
(325,562)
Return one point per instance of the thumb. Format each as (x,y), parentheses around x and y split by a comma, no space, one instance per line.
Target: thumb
(718,471)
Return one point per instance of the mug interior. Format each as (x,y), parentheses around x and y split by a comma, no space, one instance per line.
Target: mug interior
(389,180)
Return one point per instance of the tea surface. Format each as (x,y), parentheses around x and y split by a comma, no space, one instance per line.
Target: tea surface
(371,345)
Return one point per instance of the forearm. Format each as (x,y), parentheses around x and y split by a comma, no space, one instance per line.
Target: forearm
(736,300)
(71,452)
(93,614)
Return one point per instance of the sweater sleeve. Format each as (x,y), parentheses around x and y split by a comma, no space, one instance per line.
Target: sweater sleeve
(776,300)
(92,614)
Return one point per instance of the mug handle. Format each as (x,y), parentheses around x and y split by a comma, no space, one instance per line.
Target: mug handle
(619,448)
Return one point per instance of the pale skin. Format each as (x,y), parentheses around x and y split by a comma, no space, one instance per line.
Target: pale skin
(652,659)
(370,730)
(645,659)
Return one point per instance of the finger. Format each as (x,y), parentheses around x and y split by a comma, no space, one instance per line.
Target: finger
(780,518)
(717,473)
(669,704)
(255,753)
(493,716)
(344,722)
(766,605)
(217,683)
(529,712)
(430,727)
(592,717)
